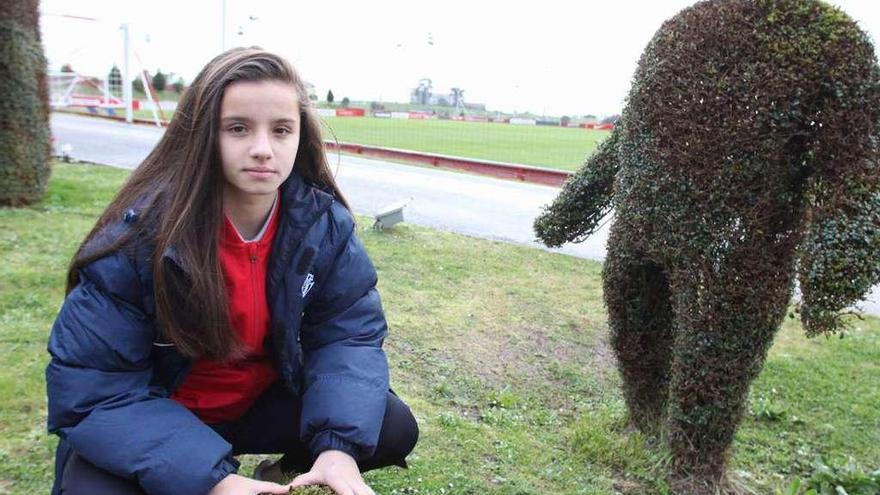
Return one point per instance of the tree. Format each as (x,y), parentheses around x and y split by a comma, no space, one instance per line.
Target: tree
(345,101)
(178,85)
(329,96)
(114,81)
(137,85)
(712,225)
(67,68)
(25,147)
(159,81)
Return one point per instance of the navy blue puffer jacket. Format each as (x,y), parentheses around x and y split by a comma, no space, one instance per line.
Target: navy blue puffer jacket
(110,376)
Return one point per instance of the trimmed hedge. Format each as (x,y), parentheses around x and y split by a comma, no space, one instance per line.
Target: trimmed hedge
(584,201)
(25,146)
(748,154)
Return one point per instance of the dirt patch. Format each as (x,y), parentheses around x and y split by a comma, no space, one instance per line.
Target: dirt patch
(603,355)
(630,487)
(530,355)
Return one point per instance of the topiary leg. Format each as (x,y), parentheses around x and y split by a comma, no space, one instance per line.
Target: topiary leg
(640,317)
(725,321)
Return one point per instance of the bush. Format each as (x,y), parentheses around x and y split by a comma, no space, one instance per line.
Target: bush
(345,102)
(747,155)
(25,147)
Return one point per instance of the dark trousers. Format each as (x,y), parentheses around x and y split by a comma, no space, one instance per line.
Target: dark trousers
(271,426)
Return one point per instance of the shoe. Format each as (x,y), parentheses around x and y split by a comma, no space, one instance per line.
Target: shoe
(268,470)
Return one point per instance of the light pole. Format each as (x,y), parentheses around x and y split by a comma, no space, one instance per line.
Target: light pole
(126,78)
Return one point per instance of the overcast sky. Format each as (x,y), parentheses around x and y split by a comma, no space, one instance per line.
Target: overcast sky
(555,57)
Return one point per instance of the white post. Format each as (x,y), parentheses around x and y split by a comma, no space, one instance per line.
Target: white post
(151,97)
(126,78)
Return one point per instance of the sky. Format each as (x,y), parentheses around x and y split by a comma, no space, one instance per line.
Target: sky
(551,57)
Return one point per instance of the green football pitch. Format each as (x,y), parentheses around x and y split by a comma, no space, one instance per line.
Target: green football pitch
(543,146)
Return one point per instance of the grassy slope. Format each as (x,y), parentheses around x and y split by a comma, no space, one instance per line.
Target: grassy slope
(499,350)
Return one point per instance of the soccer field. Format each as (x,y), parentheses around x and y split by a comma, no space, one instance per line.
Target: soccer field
(543,146)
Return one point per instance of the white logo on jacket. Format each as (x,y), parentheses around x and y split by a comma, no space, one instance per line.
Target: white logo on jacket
(307,284)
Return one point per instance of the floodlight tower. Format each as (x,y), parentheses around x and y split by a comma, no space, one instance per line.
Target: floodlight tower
(458,94)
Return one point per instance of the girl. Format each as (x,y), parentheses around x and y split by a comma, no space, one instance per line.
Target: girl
(223,305)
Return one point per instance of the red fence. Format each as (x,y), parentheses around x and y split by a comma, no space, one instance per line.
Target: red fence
(511,171)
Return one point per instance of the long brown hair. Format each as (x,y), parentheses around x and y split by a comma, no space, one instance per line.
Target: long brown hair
(178,189)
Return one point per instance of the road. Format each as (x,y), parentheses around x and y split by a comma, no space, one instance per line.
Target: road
(451,201)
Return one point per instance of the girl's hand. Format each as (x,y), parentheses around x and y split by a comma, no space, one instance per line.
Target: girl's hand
(337,470)
(240,485)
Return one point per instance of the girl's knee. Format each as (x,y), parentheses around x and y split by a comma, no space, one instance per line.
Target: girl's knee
(82,477)
(405,429)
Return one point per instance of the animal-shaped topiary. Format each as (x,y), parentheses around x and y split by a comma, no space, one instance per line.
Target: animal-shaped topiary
(748,155)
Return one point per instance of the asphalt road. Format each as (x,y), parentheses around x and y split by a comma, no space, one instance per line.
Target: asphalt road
(467,204)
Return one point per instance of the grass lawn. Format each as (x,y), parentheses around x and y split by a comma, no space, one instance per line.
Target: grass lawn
(544,146)
(500,350)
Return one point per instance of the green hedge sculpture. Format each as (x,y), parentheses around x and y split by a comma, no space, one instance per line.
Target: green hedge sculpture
(25,146)
(747,157)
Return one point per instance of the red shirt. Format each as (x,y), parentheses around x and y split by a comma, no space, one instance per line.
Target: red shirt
(219,392)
